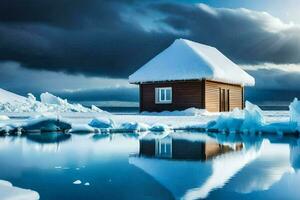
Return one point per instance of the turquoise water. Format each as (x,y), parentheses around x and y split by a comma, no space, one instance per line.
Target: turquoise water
(156,166)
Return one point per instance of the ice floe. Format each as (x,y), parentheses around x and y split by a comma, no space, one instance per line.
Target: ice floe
(77,182)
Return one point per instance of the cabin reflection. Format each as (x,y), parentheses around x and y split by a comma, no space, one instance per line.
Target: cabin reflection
(184,149)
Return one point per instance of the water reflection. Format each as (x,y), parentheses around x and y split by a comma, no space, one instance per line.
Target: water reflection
(46,138)
(190,165)
(161,166)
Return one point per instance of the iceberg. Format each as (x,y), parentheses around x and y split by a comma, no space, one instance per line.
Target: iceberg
(46,124)
(160,128)
(253,118)
(295,111)
(135,126)
(10,102)
(102,122)
(249,119)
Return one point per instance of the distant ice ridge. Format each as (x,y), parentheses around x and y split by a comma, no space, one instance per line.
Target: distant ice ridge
(10,192)
(10,102)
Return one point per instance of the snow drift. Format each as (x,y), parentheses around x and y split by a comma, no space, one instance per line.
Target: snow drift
(10,192)
(10,102)
(186,112)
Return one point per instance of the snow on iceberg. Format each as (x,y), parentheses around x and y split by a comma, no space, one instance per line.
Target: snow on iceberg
(45,124)
(52,100)
(135,126)
(228,121)
(10,102)
(253,118)
(102,122)
(160,128)
(10,192)
(295,111)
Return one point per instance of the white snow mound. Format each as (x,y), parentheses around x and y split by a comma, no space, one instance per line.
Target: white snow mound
(186,112)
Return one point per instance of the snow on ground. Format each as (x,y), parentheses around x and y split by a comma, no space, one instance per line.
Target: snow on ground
(53,113)
(187,112)
(90,122)
(10,102)
(10,192)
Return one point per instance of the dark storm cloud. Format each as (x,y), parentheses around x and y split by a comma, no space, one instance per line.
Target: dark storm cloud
(106,94)
(88,37)
(245,36)
(97,38)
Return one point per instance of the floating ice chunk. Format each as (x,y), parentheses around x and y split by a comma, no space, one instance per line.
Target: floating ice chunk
(87,184)
(10,192)
(82,128)
(102,122)
(160,128)
(46,124)
(77,182)
(135,126)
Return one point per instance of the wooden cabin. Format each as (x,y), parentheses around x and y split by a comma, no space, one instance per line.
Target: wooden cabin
(189,74)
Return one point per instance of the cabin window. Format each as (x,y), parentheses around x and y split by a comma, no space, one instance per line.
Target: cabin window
(163,95)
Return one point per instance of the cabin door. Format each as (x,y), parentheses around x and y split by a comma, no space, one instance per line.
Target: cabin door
(224,100)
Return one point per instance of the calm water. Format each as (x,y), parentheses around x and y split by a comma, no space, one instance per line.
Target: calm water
(159,166)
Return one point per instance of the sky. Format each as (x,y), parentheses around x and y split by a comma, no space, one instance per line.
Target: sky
(84,50)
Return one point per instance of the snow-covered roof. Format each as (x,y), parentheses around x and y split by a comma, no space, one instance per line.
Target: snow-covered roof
(188,60)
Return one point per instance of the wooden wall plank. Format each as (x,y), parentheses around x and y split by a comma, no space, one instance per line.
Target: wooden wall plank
(185,94)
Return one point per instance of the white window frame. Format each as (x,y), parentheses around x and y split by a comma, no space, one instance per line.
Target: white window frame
(158,96)
(163,148)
